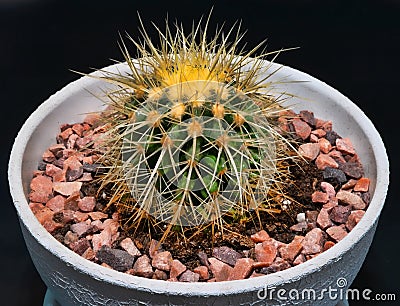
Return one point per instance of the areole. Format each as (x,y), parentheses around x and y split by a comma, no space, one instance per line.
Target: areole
(76,281)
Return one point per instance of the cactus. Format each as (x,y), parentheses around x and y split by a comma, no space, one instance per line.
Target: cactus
(192,134)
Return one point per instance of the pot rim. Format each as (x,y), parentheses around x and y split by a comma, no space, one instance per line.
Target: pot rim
(96,271)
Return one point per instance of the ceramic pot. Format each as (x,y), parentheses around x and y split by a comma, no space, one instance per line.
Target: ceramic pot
(72,280)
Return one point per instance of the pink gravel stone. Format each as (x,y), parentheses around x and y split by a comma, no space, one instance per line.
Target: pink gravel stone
(299,259)
(67,188)
(329,189)
(313,138)
(319,197)
(87,204)
(154,247)
(340,213)
(128,245)
(242,269)
(362,184)
(176,269)
(319,133)
(337,156)
(71,203)
(70,238)
(309,151)
(55,172)
(189,277)
(56,204)
(353,219)
(324,145)
(142,267)
(80,216)
(66,133)
(302,129)
(81,228)
(328,245)
(48,156)
(41,189)
(337,233)
(323,220)
(220,270)
(324,161)
(290,251)
(97,215)
(351,199)
(162,261)
(345,145)
(89,254)
(104,238)
(313,242)
(299,227)
(78,129)
(202,271)
(260,236)
(266,251)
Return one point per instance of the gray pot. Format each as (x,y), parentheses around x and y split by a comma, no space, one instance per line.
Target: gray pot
(73,280)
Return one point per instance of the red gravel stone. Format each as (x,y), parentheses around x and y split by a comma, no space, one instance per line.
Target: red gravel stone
(319,133)
(351,199)
(97,215)
(202,271)
(41,189)
(104,238)
(176,269)
(142,267)
(80,246)
(189,277)
(242,269)
(260,236)
(345,145)
(313,242)
(337,233)
(329,189)
(67,188)
(56,204)
(219,269)
(353,219)
(290,251)
(309,151)
(299,259)
(323,220)
(80,216)
(48,156)
(87,204)
(340,213)
(319,197)
(299,227)
(266,251)
(78,129)
(154,247)
(324,145)
(55,172)
(328,245)
(71,203)
(324,161)
(302,129)
(82,228)
(65,134)
(162,261)
(70,238)
(362,184)
(337,156)
(350,184)
(226,255)
(128,245)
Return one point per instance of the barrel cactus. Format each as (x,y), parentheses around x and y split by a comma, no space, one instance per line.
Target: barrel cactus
(192,131)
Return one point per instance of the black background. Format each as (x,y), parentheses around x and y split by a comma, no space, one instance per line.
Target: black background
(351,45)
